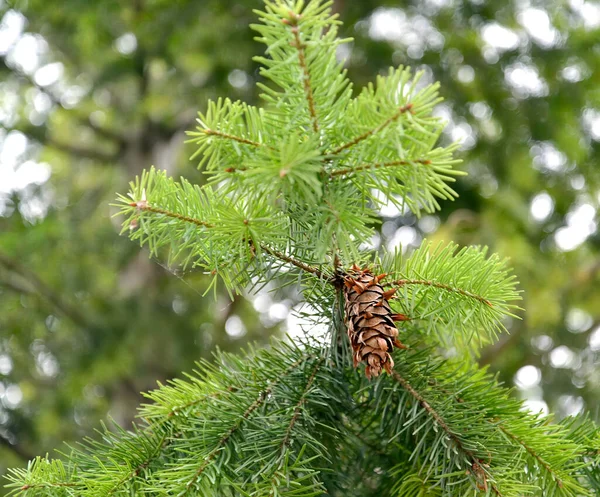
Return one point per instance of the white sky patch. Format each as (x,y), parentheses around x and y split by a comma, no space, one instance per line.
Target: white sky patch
(238,78)
(578,321)
(17,178)
(12,397)
(416,33)
(528,377)
(588,12)
(428,224)
(541,207)
(537,24)
(499,37)
(463,133)
(6,364)
(480,110)
(26,52)
(577,181)
(234,327)
(562,357)
(594,339)
(574,72)
(48,74)
(383,206)
(580,225)
(404,237)
(571,405)
(591,123)
(46,364)
(126,44)
(465,74)
(41,102)
(457,129)
(279,310)
(546,157)
(11,27)
(542,342)
(525,80)
(300,324)
(535,406)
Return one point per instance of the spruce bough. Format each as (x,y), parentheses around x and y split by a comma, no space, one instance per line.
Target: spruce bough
(292,196)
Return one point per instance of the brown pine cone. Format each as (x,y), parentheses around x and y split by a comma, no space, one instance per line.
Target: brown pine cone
(370,321)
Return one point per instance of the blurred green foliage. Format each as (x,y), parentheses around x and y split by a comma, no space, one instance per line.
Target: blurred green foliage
(100,90)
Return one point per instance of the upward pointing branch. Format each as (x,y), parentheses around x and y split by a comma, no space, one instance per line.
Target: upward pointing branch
(403,109)
(306,81)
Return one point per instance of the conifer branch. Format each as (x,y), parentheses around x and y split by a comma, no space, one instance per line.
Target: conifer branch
(306,80)
(367,167)
(209,458)
(227,136)
(531,452)
(264,394)
(442,286)
(45,485)
(403,109)
(143,465)
(477,465)
(297,409)
(295,262)
(144,206)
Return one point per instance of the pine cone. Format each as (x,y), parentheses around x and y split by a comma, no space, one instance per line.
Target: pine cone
(370,321)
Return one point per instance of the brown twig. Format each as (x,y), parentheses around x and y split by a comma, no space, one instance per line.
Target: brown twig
(367,167)
(142,205)
(405,108)
(295,262)
(227,136)
(442,286)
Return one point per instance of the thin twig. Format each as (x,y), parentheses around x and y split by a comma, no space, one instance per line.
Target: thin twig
(49,485)
(443,286)
(144,206)
(288,432)
(140,466)
(533,453)
(227,136)
(379,165)
(296,262)
(225,438)
(477,465)
(157,210)
(306,80)
(405,108)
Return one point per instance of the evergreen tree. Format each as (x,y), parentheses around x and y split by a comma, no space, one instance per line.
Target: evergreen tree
(292,199)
